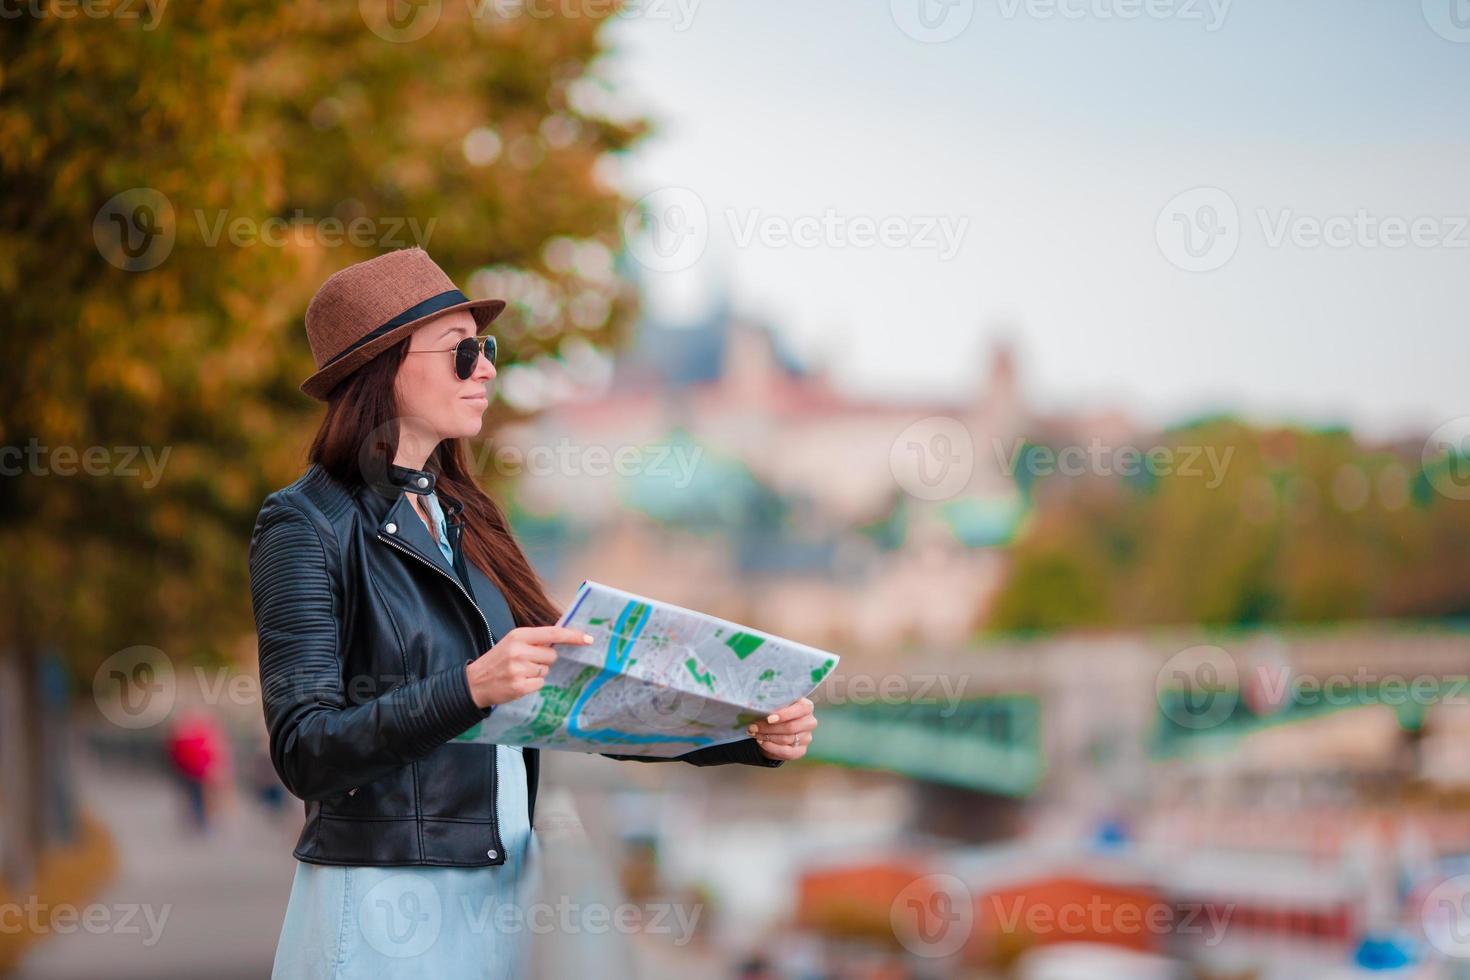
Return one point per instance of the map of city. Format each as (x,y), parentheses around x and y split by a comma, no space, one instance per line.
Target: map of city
(659,680)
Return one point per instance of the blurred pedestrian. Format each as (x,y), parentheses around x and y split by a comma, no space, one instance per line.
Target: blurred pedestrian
(197,752)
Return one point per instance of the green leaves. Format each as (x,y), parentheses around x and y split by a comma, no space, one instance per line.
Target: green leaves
(259,127)
(1298,526)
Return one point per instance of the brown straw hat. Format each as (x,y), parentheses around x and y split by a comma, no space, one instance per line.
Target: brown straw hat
(366,308)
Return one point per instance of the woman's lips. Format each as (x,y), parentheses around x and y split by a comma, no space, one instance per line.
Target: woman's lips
(481,397)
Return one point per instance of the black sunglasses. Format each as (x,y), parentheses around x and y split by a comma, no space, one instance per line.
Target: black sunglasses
(466,354)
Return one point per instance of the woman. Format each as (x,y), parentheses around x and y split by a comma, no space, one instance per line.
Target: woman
(395,610)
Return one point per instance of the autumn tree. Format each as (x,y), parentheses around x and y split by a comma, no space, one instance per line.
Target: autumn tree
(179,179)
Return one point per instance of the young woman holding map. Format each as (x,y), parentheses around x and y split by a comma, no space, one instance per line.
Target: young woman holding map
(395,610)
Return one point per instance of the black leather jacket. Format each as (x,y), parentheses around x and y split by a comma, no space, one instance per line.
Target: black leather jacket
(364,635)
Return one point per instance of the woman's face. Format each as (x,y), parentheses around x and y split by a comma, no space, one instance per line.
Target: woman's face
(430,394)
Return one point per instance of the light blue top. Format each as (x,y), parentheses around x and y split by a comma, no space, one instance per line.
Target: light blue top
(382,923)
(441,527)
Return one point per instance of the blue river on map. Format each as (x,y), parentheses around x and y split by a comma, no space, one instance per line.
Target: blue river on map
(629,624)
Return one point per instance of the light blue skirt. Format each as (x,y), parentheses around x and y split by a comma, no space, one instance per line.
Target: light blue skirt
(382,923)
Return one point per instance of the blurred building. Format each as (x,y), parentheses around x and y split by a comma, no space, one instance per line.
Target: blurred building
(753,488)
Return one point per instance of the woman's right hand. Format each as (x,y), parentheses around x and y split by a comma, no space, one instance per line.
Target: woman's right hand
(517,665)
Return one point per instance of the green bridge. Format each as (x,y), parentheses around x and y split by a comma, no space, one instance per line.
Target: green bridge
(992,744)
(1192,723)
(995,744)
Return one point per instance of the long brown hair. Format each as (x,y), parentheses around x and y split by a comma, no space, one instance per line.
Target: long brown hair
(359,435)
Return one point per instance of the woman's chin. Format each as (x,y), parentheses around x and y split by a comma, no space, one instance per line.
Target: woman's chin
(471,426)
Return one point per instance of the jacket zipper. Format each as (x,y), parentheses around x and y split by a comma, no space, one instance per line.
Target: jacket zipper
(495,758)
(457,584)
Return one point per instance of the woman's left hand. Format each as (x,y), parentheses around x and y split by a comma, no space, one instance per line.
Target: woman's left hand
(786,733)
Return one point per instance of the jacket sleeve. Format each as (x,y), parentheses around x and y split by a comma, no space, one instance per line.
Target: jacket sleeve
(746,752)
(320,744)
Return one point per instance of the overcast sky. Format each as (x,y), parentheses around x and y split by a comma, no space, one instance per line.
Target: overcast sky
(1029,158)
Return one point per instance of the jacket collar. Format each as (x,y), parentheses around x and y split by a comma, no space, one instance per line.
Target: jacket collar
(394,487)
(403,478)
